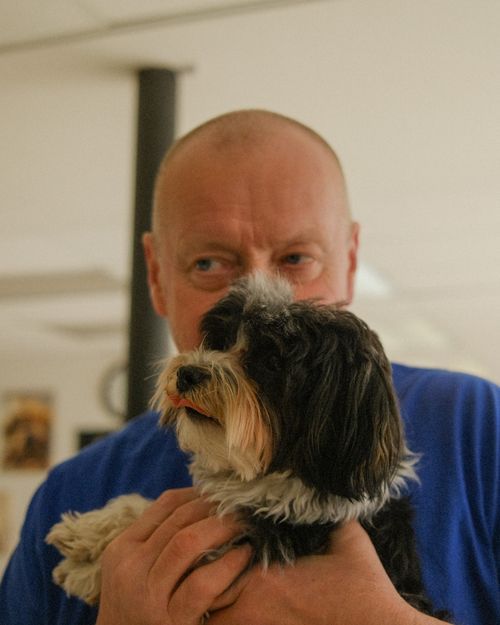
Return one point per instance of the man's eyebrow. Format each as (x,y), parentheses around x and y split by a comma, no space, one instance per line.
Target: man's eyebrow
(301,242)
(206,246)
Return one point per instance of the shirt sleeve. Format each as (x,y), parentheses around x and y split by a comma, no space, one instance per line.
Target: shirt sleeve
(23,590)
(27,592)
(453,423)
(140,458)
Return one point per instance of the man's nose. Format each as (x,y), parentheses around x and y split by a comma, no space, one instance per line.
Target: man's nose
(190,376)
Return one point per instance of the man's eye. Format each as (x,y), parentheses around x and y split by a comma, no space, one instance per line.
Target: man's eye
(296,259)
(212,274)
(206,264)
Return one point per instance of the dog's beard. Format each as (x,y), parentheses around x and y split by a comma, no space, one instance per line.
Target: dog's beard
(222,420)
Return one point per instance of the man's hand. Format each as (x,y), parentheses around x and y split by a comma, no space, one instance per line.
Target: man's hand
(348,586)
(146,578)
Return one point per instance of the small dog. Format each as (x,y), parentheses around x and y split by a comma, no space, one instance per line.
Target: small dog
(290,415)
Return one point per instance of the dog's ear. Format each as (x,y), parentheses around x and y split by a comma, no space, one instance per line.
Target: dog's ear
(353,441)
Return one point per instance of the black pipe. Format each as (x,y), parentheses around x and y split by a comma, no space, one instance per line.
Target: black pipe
(147,331)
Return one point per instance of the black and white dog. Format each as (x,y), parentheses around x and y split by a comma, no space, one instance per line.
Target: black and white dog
(289,411)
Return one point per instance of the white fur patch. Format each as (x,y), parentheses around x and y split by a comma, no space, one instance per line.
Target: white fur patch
(270,294)
(283,497)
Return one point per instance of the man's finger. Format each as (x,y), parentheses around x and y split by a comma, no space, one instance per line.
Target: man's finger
(156,514)
(184,516)
(230,594)
(199,590)
(184,549)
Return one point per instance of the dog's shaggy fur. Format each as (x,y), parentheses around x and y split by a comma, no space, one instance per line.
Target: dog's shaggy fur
(289,411)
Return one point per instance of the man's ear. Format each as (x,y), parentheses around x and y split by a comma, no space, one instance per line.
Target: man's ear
(353,245)
(156,291)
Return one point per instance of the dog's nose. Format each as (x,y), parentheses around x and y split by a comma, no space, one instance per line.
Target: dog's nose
(190,376)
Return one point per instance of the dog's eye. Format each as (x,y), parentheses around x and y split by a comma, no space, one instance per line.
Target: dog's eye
(268,365)
(273,363)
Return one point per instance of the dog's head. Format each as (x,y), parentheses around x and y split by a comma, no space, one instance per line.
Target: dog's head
(286,386)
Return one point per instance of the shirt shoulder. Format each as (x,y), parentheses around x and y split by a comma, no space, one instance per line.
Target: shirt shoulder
(441,384)
(446,401)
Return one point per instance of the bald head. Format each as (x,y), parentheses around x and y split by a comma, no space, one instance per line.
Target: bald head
(247,192)
(238,134)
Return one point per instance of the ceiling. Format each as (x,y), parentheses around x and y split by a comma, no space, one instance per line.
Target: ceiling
(408,93)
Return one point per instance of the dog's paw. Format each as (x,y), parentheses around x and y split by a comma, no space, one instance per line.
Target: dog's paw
(83,537)
(80,579)
(75,538)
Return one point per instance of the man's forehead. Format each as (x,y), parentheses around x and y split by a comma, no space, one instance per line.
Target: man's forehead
(240,139)
(221,238)
(244,130)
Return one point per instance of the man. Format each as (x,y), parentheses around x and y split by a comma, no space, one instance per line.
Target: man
(249,191)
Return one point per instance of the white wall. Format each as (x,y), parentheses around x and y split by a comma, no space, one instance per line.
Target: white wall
(73,380)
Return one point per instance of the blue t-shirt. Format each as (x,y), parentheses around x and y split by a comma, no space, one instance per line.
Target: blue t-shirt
(452,420)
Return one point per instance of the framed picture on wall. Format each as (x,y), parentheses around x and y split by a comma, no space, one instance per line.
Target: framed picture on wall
(26,426)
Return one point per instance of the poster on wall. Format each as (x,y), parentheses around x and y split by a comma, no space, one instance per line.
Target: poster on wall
(26,426)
